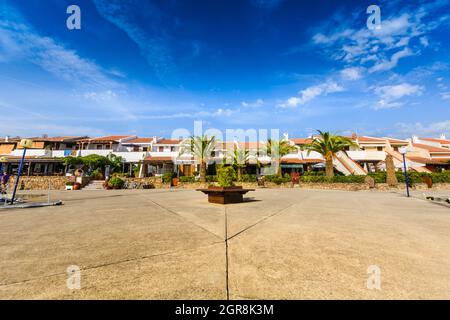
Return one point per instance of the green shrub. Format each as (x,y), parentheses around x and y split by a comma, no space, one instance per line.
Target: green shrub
(248,178)
(211,178)
(226,176)
(167,177)
(441,177)
(116,183)
(187,179)
(379,177)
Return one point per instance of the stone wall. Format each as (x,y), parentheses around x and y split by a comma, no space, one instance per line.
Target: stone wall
(155,181)
(39,182)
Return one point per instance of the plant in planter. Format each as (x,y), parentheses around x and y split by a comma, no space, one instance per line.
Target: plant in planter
(69,185)
(226,192)
(226,176)
(116,183)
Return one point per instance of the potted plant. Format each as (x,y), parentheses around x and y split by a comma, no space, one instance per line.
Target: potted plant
(116,183)
(69,185)
(226,191)
(76,186)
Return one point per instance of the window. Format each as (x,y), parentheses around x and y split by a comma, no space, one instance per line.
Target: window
(379,148)
(99,147)
(135,149)
(145,149)
(396,149)
(161,149)
(172,149)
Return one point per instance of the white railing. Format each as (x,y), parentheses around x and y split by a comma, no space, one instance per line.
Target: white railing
(31,152)
(103,152)
(132,156)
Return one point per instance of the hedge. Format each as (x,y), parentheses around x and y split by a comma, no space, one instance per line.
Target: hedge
(335,179)
(414,177)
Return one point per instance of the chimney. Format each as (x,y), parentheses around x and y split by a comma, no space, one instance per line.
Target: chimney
(414,139)
(443,136)
(286,136)
(354,136)
(7,139)
(154,139)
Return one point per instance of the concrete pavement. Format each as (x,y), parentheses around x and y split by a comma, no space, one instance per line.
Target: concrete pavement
(173,244)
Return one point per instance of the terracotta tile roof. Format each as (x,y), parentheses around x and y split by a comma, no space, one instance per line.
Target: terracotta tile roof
(140,140)
(103,139)
(168,141)
(370,139)
(57,139)
(391,140)
(6,148)
(301,141)
(431,148)
(427,160)
(442,141)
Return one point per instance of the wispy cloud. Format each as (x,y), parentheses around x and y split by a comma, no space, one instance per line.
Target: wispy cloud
(311,93)
(389,95)
(20,41)
(153,42)
(400,36)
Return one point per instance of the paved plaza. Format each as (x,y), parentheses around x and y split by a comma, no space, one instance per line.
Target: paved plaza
(280,244)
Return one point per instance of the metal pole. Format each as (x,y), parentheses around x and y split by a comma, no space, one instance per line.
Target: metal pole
(18,174)
(406,176)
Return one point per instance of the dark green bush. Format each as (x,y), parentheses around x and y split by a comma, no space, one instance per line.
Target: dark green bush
(379,177)
(441,177)
(167,177)
(248,178)
(187,179)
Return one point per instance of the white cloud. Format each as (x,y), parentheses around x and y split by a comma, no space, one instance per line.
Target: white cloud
(400,36)
(311,93)
(352,73)
(445,95)
(424,41)
(384,65)
(255,104)
(395,92)
(20,41)
(418,128)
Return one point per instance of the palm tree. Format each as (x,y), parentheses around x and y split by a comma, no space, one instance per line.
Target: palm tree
(277,149)
(328,145)
(240,159)
(201,148)
(391,178)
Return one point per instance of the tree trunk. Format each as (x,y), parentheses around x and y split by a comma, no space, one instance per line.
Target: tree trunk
(329,169)
(279,167)
(391,178)
(203,172)
(239,173)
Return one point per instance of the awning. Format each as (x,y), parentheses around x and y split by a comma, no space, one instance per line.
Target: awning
(158,159)
(291,166)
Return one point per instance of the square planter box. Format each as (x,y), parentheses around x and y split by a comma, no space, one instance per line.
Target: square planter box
(225,195)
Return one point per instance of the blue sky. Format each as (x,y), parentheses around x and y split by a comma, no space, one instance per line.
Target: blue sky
(149,67)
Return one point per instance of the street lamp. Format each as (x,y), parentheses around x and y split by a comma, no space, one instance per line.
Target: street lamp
(403,151)
(24,143)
